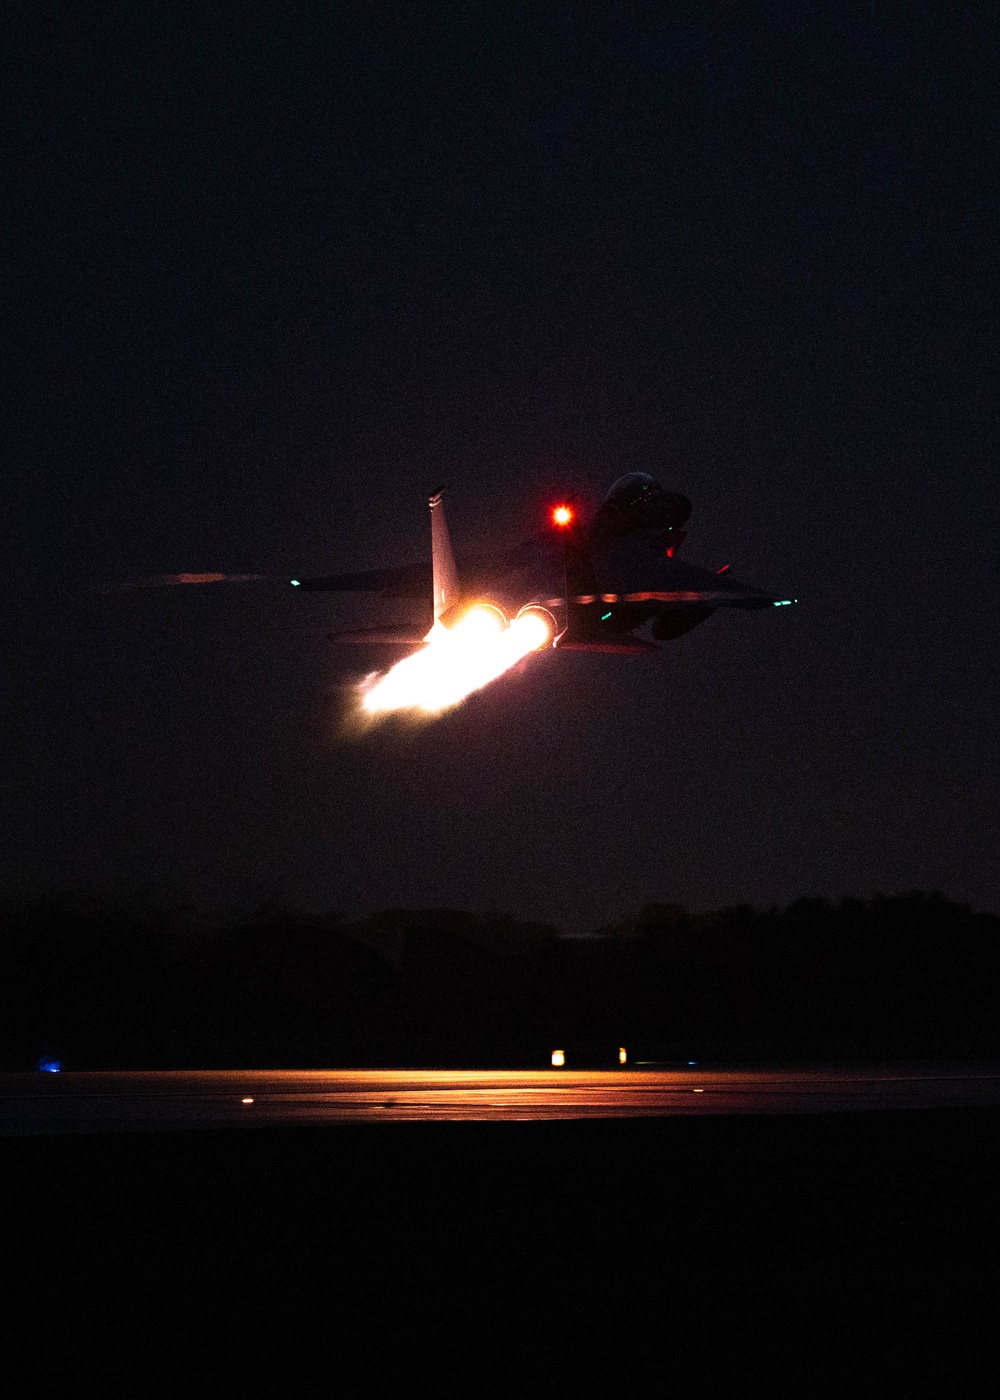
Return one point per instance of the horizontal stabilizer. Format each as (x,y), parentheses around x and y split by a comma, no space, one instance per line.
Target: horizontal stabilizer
(629,644)
(380,636)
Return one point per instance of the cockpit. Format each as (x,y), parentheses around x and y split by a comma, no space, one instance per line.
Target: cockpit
(638,502)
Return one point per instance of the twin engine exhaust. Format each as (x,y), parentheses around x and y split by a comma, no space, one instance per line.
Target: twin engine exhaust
(534,623)
(458,657)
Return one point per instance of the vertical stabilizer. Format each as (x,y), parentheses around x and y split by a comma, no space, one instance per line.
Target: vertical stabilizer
(446,593)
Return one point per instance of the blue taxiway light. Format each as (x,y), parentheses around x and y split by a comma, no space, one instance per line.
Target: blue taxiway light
(50,1066)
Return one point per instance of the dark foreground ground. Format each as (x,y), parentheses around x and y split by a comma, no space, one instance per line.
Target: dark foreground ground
(829,1250)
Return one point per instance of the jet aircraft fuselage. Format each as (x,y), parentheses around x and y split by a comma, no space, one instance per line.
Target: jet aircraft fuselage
(595,584)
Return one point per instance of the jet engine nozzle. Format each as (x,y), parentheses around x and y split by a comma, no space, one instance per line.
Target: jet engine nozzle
(537,616)
(480,614)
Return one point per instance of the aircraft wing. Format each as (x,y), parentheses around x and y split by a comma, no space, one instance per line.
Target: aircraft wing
(402,581)
(631,575)
(416,580)
(406,581)
(409,581)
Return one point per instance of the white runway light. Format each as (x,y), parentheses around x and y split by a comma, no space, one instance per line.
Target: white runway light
(455,662)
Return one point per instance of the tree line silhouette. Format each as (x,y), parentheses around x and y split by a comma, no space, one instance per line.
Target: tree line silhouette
(92,986)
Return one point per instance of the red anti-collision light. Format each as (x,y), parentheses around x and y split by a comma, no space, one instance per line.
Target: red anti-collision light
(562,516)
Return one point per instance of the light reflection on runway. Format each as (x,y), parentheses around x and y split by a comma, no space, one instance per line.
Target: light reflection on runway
(160,1101)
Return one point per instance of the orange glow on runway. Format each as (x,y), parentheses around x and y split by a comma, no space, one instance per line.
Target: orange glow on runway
(162,1100)
(455,661)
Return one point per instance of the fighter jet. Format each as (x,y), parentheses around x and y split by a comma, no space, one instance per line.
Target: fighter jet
(594,584)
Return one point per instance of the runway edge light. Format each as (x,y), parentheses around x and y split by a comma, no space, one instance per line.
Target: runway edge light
(558,1059)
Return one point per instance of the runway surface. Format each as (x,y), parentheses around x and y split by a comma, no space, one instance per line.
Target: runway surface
(38,1103)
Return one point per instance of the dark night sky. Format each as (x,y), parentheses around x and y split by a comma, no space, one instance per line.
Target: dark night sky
(273,272)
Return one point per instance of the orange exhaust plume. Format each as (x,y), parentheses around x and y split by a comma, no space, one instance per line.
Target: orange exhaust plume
(455,661)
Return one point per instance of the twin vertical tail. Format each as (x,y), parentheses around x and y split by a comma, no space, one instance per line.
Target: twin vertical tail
(446,590)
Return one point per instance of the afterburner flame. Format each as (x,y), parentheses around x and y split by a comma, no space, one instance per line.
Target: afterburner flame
(456,661)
